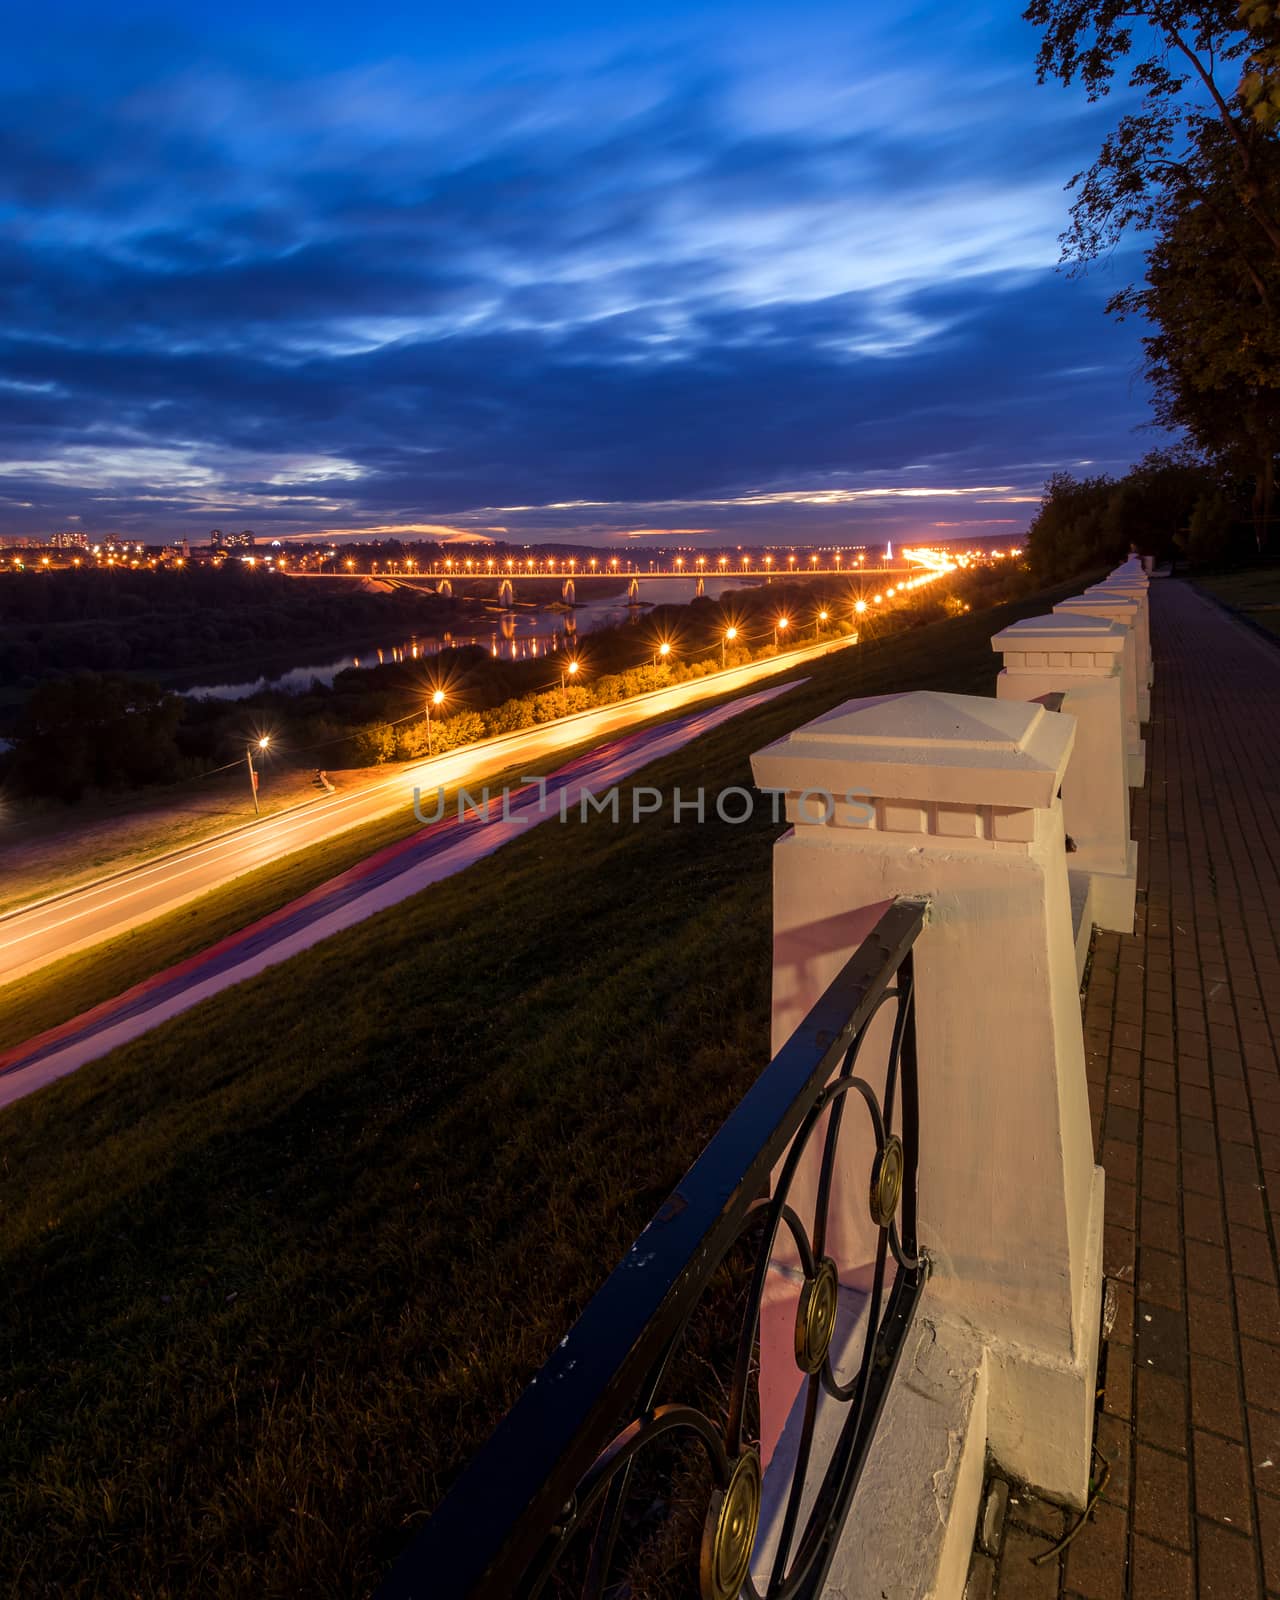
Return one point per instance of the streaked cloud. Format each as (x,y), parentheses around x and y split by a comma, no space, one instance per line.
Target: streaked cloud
(422,276)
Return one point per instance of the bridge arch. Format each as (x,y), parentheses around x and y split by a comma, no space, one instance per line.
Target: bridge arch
(633,592)
(568,593)
(700,588)
(445,588)
(506,593)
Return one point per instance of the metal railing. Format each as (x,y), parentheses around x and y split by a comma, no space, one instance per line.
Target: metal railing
(548,1506)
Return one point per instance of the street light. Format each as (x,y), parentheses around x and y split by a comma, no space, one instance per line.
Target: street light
(780,627)
(570,670)
(436,700)
(823,618)
(730,634)
(253,775)
(664,650)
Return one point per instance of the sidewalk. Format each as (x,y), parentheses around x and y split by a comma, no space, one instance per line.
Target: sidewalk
(1181,1023)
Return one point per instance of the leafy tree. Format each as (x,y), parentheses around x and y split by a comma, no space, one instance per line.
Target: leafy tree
(1198,167)
(1209,536)
(1071,530)
(1213,358)
(1084,522)
(94,731)
(1259,88)
(1184,61)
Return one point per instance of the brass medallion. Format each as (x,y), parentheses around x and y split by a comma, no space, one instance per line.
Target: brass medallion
(886,1181)
(729,1532)
(816,1317)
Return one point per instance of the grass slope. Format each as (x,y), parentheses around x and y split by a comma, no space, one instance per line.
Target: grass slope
(272,1272)
(1255,593)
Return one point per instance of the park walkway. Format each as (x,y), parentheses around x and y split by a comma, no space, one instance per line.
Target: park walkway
(1181,1025)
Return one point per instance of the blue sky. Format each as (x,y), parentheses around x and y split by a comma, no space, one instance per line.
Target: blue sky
(747,272)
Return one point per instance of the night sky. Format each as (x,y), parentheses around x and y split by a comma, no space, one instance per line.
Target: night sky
(545,270)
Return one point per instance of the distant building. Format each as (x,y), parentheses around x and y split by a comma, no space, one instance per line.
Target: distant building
(231,541)
(70,541)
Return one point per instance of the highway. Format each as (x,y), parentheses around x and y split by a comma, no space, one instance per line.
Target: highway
(32,936)
(385,879)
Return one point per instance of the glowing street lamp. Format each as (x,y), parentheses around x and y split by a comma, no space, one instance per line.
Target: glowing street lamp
(664,652)
(261,744)
(823,618)
(436,699)
(569,670)
(779,628)
(730,634)
(860,606)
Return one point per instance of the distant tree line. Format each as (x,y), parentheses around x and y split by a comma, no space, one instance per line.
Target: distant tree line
(1173,505)
(1195,168)
(122,620)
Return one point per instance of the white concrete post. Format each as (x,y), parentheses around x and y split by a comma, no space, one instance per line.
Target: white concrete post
(1079,657)
(1119,608)
(962,806)
(1136,589)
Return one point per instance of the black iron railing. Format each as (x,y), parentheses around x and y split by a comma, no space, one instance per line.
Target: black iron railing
(548,1506)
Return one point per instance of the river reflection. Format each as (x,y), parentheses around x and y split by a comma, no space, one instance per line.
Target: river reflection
(519,635)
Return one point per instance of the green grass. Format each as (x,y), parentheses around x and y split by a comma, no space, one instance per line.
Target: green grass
(1254,592)
(272,1272)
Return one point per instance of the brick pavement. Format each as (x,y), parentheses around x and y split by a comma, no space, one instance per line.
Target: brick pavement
(1181,1022)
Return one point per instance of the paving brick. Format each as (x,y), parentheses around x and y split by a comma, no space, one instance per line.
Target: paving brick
(1215,1396)
(1161,1499)
(1258,1310)
(1158,1573)
(1227,1562)
(1261,1374)
(1019,1578)
(1222,1481)
(1182,1021)
(1096,1556)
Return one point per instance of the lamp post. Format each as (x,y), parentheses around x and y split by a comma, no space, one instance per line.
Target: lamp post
(570,670)
(253,774)
(730,634)
(779,628)
(823,617)
(664,651)
(435,699)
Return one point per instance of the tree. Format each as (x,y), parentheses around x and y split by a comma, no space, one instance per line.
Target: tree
(1198,168)
(1259,88)
(1092,522)
(1213,359)
(1070,530)
(96,731)
(1209,535)
(1185,61)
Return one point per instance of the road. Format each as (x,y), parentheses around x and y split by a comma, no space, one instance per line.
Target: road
(32,936)
(388,877)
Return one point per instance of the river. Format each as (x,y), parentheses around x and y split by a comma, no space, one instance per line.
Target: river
(518,635)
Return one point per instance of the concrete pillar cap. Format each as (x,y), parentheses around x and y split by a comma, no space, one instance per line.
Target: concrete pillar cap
(1059,631)
(1122,603)
(926,746)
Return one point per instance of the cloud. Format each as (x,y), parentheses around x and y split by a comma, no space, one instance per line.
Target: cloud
(741,274)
